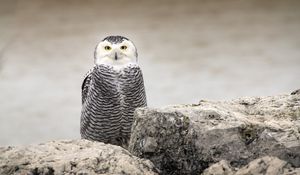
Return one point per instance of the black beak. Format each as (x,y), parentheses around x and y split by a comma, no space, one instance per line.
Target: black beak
(116,56)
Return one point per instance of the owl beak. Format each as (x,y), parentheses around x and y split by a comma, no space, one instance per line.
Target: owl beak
(116,56)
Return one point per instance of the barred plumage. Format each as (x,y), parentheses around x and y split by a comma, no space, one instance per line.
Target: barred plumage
(109,98)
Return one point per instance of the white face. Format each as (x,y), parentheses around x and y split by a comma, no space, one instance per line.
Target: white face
(118,54)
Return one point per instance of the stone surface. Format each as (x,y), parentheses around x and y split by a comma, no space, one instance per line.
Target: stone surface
(186,139)
(71,157)
(262,166)
(220,168)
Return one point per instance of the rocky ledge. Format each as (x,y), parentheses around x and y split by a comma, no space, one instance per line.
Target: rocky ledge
(187,139)
(257,135)
(262,166)
(71,157)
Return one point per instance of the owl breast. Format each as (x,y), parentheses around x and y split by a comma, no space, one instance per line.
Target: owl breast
(111,99)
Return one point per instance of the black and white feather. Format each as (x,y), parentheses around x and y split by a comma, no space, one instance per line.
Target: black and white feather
(111,91)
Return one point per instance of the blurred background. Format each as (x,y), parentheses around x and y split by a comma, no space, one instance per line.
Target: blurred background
(189,50)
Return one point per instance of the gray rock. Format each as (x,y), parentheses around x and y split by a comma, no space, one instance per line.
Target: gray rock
(71,157)
(186,139)
(262,166)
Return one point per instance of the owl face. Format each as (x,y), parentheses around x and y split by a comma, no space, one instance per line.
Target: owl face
(115,51)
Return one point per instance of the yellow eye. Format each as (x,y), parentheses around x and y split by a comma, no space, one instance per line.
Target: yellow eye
(107,48)
(123,47)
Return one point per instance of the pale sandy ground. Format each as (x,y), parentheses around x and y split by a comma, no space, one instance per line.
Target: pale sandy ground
(188,50)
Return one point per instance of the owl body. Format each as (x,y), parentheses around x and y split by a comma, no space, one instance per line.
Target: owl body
(110,94)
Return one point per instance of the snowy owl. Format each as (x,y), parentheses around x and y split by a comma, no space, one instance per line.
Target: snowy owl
(111,91)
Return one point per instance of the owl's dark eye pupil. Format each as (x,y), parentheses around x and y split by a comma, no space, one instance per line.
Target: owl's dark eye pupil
(107,48)
(123,47)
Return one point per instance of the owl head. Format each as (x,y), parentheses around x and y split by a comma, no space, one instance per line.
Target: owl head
(115,51)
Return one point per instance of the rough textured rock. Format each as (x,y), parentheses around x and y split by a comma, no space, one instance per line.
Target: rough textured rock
(71,157)
(220,168)
(265,166)
(186,139)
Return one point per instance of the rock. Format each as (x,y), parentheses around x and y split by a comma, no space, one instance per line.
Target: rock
(266,165)
(72,157)
(186,139)
(220,168)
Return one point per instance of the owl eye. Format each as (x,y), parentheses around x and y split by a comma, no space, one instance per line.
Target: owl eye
(107,48)
(123,47)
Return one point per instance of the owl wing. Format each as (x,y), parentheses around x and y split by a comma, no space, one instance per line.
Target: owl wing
(86,85)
